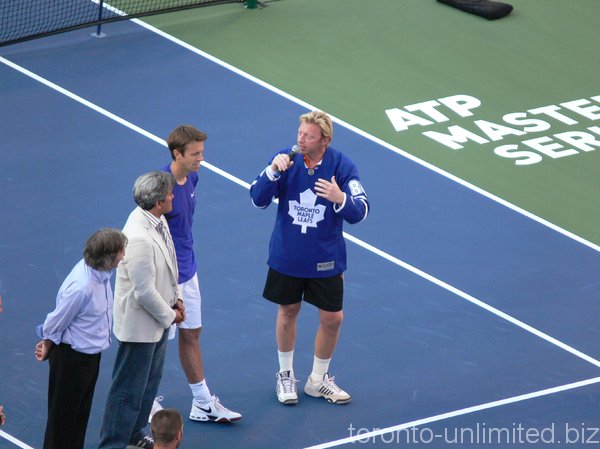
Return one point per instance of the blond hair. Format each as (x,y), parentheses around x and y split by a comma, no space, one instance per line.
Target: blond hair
(321,119)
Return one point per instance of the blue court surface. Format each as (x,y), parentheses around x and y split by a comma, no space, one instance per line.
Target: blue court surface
(468,322)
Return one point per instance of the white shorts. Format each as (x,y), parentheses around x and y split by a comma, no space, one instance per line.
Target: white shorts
(192,300)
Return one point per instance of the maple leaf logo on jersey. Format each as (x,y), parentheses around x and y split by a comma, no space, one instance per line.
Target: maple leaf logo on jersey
(305,213)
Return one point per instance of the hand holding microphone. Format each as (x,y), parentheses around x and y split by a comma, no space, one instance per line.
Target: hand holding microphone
(283,161)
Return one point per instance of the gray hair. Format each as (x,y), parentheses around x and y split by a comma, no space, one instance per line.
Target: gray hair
(151,188)
(103,247)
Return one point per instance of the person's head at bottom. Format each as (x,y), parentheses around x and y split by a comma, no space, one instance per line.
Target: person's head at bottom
(167,429)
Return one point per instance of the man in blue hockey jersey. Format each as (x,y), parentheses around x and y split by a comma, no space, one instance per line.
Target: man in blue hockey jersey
(317,190)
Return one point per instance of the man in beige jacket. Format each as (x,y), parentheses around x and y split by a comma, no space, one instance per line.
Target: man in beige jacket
(146,303)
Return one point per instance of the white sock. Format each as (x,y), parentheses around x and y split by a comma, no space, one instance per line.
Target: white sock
(286,360)
(320,367)
(201,392)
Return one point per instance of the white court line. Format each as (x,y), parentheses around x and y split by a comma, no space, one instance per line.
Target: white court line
(435,169)
(464,411)
(112,116)
(349,237)
(473,300)
(370,137)
(14,440)
(355,240)
(356,130)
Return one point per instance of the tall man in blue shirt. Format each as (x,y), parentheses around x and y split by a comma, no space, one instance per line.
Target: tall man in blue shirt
(74,334)
(318,190)
(186,144)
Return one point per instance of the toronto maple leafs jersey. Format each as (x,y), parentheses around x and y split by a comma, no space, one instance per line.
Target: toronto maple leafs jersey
(307,239)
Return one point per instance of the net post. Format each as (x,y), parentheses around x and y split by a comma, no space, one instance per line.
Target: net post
(98,32)
(251,4)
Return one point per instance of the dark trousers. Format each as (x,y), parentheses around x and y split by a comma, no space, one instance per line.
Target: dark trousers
(71,386)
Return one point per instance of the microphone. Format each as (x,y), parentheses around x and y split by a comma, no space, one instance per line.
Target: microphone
(293,152)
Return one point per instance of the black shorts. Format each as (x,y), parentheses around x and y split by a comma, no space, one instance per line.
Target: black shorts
(325,293)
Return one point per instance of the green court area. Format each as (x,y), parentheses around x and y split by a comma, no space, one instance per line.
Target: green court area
(511,106)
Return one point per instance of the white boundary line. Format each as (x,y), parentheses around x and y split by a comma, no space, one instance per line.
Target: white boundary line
(355,240)
(473,300)
(371,137)
(14,440)
(460,412)
(349,237)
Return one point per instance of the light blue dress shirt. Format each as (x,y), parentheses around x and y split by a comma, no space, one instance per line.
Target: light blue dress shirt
(83,314)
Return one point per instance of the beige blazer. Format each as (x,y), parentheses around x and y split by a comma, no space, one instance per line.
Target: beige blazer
(146,284)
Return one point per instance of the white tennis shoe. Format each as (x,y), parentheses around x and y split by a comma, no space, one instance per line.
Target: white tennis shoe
(328,389)
(286,388)
(213,411)
(155,407)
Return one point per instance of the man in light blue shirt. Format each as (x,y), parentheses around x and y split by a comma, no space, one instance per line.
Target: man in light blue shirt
(73,336)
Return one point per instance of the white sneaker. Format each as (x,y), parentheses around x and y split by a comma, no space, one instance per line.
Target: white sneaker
(286,388)
(327,388)
(213,411)
(155,407)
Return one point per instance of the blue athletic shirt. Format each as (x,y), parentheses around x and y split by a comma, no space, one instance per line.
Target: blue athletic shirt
(180,221)
(307,239)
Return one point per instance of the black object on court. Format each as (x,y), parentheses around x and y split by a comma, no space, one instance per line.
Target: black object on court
(484,8)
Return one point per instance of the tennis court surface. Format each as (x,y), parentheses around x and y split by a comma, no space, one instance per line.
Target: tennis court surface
(471,298)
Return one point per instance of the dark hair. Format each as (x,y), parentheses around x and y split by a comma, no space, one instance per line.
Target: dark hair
(103,247)
(151,188)
(181,136)
(165,425)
